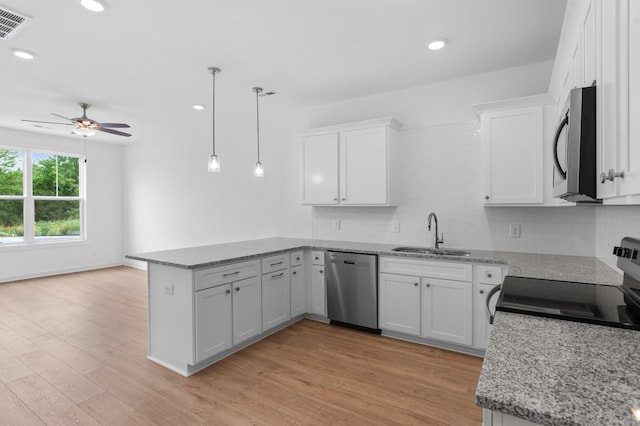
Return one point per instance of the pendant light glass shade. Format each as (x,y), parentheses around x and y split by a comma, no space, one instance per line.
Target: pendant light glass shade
(258,171)
(214,161)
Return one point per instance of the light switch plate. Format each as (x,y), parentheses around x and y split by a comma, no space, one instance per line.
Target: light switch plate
(395,226)
(168,289)
(336,224)
(514,230)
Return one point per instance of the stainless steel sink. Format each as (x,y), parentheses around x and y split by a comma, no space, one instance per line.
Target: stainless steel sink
(437,252)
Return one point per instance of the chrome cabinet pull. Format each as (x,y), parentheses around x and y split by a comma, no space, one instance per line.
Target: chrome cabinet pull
(293,273)
(277,263)
(281,274)
(230,274)
(237,288)
(486,197)
(415,284)
(481,291)
(489,275)
(428,285)
(227,291)
(610,175)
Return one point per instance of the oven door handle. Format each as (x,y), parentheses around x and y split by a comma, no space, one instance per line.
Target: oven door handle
(491,293)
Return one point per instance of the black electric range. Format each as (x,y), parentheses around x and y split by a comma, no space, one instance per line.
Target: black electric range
(614,306)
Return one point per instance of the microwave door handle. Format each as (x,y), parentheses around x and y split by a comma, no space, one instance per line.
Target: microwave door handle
(563,123)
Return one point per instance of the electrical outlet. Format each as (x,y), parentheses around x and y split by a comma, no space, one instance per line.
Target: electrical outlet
(395,226)
(336,224)
(168,289)
(514,230)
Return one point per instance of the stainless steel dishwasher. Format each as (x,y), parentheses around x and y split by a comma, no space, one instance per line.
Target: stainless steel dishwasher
(352,290)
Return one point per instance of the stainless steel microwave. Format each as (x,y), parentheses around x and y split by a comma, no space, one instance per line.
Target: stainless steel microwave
(574,149)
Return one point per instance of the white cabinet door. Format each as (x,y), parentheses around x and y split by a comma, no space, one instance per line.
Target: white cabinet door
(319,169)
(247,309)
(213,321)
(447,310)
(298,291)
(276,298)
(512,150)
(630,148)
(318,291)
(399,303)
(364,175)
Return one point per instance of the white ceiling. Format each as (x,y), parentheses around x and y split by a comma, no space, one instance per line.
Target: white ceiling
(145,62)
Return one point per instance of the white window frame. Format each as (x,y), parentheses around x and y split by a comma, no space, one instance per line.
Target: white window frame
(28,199)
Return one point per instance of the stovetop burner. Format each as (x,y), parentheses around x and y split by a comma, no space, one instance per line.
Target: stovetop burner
(615,306)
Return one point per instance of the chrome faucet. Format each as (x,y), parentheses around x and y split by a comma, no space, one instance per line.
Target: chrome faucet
(437,241)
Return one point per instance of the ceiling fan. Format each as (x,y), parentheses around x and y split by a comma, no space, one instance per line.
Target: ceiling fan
(86,126)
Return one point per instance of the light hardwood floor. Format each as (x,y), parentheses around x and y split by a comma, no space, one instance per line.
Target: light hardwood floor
(73,351)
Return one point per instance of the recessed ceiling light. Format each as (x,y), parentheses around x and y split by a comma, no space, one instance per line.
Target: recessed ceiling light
(93,5)
(437,44)
(23,54)
(198,107)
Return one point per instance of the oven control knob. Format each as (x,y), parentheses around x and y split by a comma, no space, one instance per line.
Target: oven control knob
(634,255)
(617,251)
(627,253)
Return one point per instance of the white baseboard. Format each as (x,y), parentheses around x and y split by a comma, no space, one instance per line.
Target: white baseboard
(60,271)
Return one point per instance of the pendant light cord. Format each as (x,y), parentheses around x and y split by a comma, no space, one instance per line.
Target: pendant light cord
(258,90)
(213,110)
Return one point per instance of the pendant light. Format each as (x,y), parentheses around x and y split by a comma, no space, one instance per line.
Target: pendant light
(258,171)
(214,162)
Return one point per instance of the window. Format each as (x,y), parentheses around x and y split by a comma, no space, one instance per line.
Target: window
(41,196)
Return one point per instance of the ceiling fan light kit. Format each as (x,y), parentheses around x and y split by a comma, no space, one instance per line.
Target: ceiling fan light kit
(86,126)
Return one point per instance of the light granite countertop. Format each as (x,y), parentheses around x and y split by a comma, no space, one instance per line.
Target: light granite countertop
(205,256)
(557,372)
(544,370)
(568,268)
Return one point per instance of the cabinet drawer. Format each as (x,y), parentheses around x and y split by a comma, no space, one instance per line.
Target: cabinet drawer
(296,258)
(489,274)
(423,268)
(211,277)
(275,263)
(317,257)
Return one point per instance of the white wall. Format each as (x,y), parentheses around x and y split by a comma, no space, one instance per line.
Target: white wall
(442,172)
(103,209)
(171,201)
(612,224)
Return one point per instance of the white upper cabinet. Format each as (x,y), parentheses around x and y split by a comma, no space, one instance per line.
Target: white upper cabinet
(600,42)
(517,139)
(619,102)
(352,164)
(320,169)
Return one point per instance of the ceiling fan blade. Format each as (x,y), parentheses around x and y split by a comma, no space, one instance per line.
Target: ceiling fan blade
(113,132)
(62,116)
(47,122)
(114,125)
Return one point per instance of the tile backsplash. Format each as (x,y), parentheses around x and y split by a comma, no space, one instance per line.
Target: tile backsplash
(442,172)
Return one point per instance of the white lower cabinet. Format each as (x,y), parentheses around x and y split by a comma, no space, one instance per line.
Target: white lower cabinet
(496,418)
(318,291)
(298,291)
(399,302)
(435,300)
(213,321)
(276,298)
(447,310)
(318,284)
(247,309)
